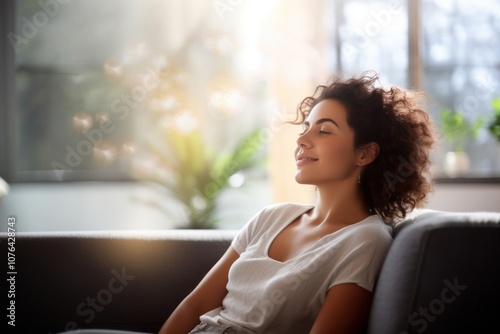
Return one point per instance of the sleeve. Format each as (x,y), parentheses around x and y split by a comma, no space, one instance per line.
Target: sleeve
(363,259)
(247,233)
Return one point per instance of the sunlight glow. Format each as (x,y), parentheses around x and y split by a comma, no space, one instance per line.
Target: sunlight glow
(184,122)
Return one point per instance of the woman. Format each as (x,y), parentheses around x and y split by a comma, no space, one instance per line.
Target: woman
(312,268)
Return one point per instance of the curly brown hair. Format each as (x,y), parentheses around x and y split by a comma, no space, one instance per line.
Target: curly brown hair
(398,180)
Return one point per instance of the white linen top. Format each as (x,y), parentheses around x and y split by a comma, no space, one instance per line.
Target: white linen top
(269,296)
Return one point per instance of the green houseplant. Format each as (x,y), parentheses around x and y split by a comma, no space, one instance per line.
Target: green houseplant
(456,130)
(494,125)
(494,128)
(197,173)
(176,148)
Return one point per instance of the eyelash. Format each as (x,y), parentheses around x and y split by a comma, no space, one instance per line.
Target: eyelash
(320,132)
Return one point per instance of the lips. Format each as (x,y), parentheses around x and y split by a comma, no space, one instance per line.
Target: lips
(304,159)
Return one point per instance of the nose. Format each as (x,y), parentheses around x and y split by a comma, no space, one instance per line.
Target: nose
(303,140)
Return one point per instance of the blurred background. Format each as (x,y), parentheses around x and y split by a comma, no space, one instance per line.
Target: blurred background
(155,114)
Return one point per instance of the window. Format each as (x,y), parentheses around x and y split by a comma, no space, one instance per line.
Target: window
(374,35)
(461,71)
(85,83)
(451,55)
(92,77)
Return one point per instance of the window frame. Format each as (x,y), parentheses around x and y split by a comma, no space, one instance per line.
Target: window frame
(8,151)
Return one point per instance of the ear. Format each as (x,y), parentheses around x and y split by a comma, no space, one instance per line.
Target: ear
(367,153)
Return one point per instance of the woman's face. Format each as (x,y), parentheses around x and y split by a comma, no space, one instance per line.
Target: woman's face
(325,152)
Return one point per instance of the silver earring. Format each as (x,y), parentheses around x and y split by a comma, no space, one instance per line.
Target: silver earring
(359,178)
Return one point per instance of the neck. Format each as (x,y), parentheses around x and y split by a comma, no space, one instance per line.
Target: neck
(341,203)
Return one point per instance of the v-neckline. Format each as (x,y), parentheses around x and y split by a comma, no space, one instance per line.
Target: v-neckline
(308,248)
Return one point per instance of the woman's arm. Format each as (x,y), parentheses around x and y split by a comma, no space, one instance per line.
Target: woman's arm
(345,310)
(207,296)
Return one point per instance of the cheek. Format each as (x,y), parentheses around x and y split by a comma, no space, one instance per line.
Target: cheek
(341,156)
(341,151)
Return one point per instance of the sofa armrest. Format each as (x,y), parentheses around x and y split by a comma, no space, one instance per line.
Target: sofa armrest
(441,275)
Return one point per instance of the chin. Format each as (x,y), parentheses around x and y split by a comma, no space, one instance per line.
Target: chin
(302,180)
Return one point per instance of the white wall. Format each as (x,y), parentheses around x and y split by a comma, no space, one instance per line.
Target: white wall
(110,206)
(465,197)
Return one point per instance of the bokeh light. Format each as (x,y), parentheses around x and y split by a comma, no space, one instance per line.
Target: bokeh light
(225,96)
(104,153)
(82,122)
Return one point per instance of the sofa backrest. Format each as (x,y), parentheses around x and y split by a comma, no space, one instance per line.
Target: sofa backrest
(441,275)
(114,280)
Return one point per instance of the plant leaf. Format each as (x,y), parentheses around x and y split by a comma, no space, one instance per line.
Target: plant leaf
(496,104)
(242,157)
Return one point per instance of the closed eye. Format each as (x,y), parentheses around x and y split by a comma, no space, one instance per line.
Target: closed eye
(322,132)
(306,126)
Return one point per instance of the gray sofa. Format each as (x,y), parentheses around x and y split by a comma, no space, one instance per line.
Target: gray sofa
(442,275)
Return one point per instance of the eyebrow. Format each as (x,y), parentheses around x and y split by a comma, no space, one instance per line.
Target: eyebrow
(323,120)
